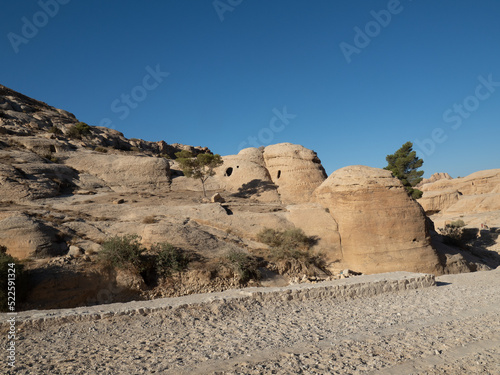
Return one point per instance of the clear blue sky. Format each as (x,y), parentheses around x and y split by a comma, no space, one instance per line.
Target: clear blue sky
(232,69)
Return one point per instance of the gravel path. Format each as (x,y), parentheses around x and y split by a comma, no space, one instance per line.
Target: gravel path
(453,328)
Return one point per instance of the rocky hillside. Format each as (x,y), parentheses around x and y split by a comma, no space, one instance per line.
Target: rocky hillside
(66,188)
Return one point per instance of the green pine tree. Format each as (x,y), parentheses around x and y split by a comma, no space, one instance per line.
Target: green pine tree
(404,164)
(200,167)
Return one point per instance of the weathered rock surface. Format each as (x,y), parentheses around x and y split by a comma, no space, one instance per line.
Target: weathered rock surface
(246,175)
(435,177)
(296,170)
(381,228)
(25,175)
(124,172)
(25,237)
(478,192)
(317,223)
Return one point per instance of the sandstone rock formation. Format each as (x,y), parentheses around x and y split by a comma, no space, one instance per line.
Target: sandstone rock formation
(283,172)
(435,177)
(381,228)
(246,175)
(478,192)
(58,190)
(25,237)
(124,172)
(296,170)
(25,176)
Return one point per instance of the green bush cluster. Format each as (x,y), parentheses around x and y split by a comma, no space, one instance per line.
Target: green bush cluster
(123,252)
(243,265)
(126,252)
(20,282)
(79,130)
(168,259)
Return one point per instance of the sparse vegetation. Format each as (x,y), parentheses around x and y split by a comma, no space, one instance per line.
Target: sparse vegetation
(200,167)
(243,265)
(52,158)
(101,149)
(126,252)
(290,244)
(79,130)
(149,220)
(55,130)
(456,234)
(123,252)
(457,224)
(20,282)
(168,259)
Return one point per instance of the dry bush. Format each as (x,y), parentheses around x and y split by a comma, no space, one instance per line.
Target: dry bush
(149,220)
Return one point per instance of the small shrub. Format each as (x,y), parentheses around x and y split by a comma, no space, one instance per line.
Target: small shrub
(20,282)
(291,242)
(243,265)
(79,130)
(149,220)
(135,149)
(457,224)
(55,130)
(169,259)
(52,158)
(101,149)
(123,252)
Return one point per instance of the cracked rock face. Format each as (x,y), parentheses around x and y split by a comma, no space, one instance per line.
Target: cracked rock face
(381,228)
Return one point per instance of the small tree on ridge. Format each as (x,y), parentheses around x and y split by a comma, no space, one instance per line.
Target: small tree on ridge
(200,167)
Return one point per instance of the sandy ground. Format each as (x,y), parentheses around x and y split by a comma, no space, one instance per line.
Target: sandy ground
(453,328)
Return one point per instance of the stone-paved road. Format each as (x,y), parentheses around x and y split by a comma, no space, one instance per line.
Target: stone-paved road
(453,328)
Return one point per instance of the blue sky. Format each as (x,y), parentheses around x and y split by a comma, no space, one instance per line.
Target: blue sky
(352,80)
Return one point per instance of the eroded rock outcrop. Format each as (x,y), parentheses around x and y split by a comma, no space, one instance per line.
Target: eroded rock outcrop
(478,192)
(381,228)
(124,172)
(246,175)
(296,170)
(25,237)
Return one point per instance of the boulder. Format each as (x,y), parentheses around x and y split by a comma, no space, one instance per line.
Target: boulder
(381,228)
(295,170)
(25,237)
(217,198)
